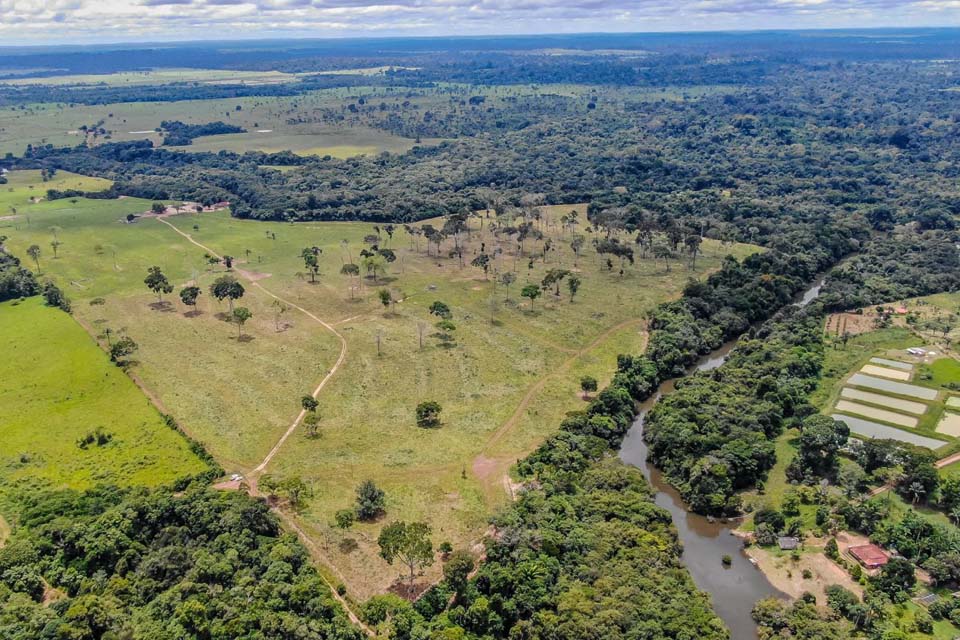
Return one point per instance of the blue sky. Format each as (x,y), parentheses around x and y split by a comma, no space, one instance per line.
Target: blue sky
(84,21)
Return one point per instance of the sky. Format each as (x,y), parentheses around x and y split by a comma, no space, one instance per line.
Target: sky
(108,21)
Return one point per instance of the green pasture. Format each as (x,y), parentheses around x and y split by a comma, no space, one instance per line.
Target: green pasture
(56,386)
(504,382)
(161,76)
(266,119)
(236,397)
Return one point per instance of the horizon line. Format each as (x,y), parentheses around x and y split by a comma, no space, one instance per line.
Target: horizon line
(306,38)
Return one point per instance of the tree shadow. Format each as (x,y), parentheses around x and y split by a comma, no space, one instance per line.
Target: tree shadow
(222,315)
(347,546)
(405,590)
(195,313)
(163,305)
(245,338)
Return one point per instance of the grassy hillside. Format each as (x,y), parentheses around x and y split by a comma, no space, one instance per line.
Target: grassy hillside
(57,386)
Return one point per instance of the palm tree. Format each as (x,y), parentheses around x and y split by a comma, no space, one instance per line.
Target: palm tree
(34,252)
(917,491)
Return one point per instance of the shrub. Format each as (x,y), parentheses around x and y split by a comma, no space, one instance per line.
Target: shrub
(371,501)
(344,518)
(428,414)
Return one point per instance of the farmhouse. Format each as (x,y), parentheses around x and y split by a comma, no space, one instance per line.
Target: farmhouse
(869,555)
(788,543)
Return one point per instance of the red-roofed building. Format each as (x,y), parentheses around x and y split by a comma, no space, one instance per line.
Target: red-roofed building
(869,555)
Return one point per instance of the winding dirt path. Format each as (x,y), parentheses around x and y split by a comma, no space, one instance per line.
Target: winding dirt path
(531,393)
(287,519)
(329,327)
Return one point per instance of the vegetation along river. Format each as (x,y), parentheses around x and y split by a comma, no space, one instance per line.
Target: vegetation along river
(734,588)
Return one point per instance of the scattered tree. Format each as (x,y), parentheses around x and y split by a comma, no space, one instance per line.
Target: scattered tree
(428,414)
(588,385)
(371,501)
(239,317)
(408,543)
(227,287)
(157,282)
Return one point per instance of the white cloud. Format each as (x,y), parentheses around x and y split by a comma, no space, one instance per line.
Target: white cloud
(131,20)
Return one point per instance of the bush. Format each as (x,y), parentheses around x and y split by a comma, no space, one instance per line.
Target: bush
(371,501)
(726,560)
(428,414)
(344,518)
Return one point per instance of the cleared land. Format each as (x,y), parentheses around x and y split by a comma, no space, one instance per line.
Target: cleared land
(913,391)
(954,402)
(56,387)
(884,401)
(885,372)
(877,414)
(162,76)
(505,383)
(237,397)
(505,380)
(280,117)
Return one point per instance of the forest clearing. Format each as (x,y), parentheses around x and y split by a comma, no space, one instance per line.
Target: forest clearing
(505,375)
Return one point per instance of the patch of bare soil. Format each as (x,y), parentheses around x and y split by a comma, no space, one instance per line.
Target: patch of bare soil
(787,574)
(253,276)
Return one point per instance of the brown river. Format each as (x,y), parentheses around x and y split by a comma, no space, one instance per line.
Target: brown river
(736,588)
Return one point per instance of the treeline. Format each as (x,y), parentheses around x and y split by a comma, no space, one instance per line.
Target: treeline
(714,436)
(790,149)
(583,553)
(176,133)
(112,563)
(15,281)
(904,264)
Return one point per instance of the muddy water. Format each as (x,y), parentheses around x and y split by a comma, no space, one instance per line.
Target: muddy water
(734,589)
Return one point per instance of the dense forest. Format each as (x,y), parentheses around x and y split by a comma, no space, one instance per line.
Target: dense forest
(145,565)
(752,156)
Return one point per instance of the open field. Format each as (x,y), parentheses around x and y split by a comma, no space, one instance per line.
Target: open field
(279,119)
(57,386)
(504,386)
(505,380)
(161,76)
(236,397)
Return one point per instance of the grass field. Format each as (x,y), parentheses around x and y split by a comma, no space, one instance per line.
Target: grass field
(504,383)
(161,76)
(272,124)
(236,397)
(56,386)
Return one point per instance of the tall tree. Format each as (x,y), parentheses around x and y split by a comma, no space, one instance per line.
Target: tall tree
(157,282)
(311,261)
(408,543)
(227,287)
(34,252)
(371,500)
(189,295)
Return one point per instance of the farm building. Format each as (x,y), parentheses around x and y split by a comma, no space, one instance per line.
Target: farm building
(869,555)
(788,543)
